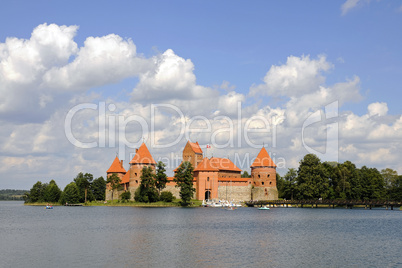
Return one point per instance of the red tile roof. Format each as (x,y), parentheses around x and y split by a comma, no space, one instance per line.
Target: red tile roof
(116,167)
(126,178)
(196,147)
(205,165)
(142,156)
(263,160)
(224,164)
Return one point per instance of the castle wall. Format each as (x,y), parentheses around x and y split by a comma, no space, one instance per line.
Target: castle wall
(234,192)
(264,193)
(229,174)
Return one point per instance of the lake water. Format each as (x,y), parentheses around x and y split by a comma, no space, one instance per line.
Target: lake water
(198,237)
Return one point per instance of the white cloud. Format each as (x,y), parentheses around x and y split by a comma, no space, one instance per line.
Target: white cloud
(299,76)
(377,108)
(102,60)
(56,74)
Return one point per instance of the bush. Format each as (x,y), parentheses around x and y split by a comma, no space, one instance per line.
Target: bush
(125,196)
(167,196)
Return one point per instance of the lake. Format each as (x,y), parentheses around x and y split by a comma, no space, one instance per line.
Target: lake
(198,237)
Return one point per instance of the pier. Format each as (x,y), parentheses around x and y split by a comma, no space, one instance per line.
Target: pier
(368,204)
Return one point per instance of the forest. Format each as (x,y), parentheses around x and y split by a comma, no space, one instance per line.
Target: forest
(331,180)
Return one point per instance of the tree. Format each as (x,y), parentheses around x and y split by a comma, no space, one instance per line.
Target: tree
(167,196)
(184,180)
(395,192)
(83,182)
(52,192)
(373,184)
(36,193)
(125,196)
(245,175)
(147,191)
(311,180)
(160,177)
(390,179)
(98,188)
(114,182)
(71,194)
(288,184)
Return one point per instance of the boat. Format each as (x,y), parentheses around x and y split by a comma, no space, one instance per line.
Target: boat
(49,207)
(264,208)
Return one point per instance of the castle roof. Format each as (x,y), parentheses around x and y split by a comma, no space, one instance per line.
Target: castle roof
(263,159)
(196,147)
(224,164)
(116,167)
(205,165)
(126,178)
(142,156)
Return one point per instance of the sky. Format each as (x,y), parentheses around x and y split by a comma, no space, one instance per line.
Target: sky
(82,82)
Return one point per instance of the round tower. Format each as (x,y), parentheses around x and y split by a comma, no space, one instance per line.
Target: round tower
(263,177)
(141,159)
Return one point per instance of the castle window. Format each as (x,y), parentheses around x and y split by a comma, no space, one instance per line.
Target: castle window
(258,176)
(262,183)
(268,176)
(135,174)
(207,178)
(270,182)
(136,181)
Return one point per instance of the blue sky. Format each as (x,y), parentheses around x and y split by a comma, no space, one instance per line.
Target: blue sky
(231,45)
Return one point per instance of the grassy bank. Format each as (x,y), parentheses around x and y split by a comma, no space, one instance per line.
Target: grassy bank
(118,203)
(42,204)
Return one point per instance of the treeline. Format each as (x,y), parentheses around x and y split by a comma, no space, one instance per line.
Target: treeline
(82,189)
(9,194)
(331,180)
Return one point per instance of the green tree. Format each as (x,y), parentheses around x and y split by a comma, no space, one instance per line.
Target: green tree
(98,188)
(147,192)
(184,180)
(312,183)
(83,182)
(288,184)
(36,193)
(167,196)
(373,184)
(71,194)
(125,196)
(52,192)
(245,175)
(114,183)
(160,177)
(395,192)
(390,176)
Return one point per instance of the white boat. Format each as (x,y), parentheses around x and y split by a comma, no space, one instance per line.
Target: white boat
(263,208)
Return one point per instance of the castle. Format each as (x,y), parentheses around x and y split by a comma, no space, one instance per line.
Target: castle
(213,178)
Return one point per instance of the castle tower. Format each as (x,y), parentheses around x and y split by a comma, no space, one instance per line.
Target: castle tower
(192,153)
(263,177)
(115,168)
(141,159)
(207,180)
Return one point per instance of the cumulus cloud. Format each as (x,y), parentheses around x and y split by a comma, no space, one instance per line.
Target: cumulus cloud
(49,74)
(100,61)
(377,108)
(300,75)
